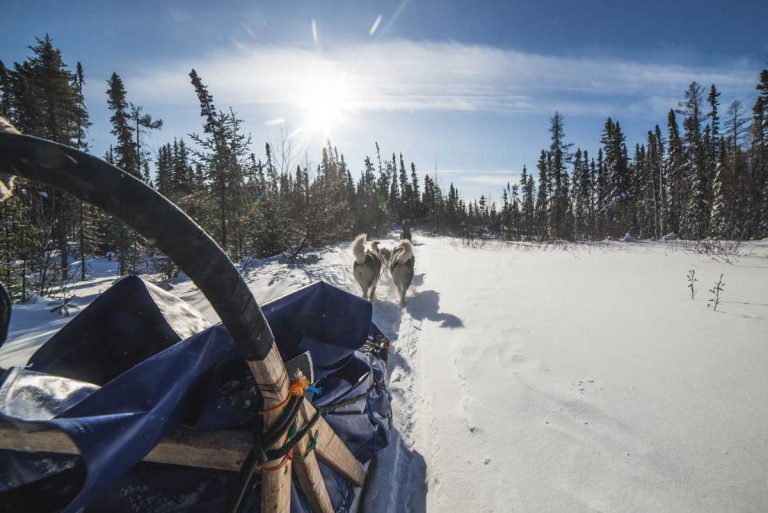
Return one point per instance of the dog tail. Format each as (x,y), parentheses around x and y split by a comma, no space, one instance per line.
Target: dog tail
(358,249)
(405,253)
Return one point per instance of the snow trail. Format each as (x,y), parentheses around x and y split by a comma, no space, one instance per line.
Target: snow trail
(537,378)
(585,380)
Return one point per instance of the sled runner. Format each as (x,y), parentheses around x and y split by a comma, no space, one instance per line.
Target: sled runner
(138,405)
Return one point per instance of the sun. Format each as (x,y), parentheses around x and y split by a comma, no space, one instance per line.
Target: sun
(326,102)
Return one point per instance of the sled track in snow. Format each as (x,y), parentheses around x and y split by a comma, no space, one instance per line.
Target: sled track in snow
(400,474)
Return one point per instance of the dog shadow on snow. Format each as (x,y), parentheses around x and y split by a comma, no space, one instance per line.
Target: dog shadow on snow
(425,304)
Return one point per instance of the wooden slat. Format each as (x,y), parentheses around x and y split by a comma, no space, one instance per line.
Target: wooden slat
(308,472)
(272,381)
(220,450)
(332,451)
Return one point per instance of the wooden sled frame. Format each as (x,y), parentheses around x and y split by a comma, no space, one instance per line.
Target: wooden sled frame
(138,206)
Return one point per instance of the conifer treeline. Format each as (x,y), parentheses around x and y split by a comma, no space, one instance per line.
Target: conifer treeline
(703,175)
(709,179)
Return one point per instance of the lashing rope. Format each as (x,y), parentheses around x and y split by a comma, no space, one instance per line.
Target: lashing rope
(297,388)
(311,446)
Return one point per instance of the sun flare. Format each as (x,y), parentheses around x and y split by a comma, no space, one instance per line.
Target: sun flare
(326,102)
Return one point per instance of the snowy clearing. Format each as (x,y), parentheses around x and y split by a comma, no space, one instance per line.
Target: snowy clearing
(551,378)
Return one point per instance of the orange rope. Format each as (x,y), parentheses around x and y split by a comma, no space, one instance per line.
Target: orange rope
(296,389)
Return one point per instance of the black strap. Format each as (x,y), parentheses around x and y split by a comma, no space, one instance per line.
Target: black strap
(236,496)
(280,427)
(258,455)
(281,452)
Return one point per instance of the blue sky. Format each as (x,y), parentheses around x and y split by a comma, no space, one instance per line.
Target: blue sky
(462,88)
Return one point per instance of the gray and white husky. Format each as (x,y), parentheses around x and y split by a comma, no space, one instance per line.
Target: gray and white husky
(367,266)
(401,267)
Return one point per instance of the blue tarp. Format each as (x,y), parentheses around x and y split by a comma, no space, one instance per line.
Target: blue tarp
(152,382)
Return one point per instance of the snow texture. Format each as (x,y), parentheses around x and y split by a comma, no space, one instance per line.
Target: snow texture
(552,378)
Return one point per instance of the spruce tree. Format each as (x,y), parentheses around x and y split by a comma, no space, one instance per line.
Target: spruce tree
(541,213)
(645,206)
(719,219)
(142,124)
(406,193)
(416,212)
(451,210)
(223,150)
(558,157)
(528,208)
(760,157)
(6,91)
(677,183)
(394,190)
(125,148)
(592,191)
(713,141)
(41,98)
(696,216)
(87,214)
(579,203)
(739,187)
(125,157)
(618,194)
(659,177)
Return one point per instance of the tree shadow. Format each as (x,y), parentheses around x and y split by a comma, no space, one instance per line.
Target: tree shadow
(397,480)
(742,315)
(426,305)
(107,281)
(744,309)
(743,303)
(751,266)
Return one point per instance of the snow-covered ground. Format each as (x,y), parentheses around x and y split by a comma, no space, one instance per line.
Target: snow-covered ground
(553,378)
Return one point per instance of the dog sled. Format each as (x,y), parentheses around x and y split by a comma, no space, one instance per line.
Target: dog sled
(138,404)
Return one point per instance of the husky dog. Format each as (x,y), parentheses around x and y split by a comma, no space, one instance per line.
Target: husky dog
(401,267)
(367,266)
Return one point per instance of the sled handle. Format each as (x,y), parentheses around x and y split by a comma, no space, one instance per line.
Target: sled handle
(162,223)
(154,217)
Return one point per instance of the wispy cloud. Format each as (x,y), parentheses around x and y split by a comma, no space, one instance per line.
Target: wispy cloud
(478,182)
(478,179)
(485,176)
(396,75)
(489,179)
